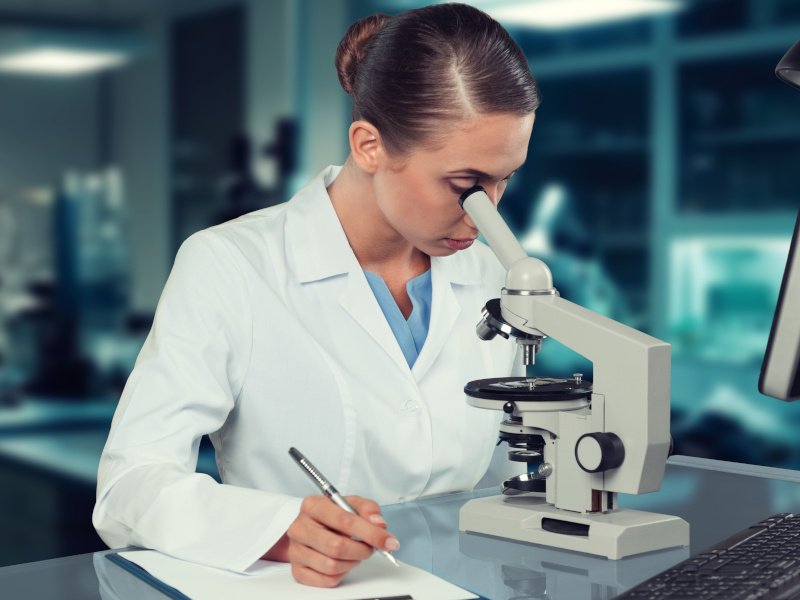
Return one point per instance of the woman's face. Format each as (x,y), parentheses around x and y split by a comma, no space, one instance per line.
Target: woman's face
(418,195)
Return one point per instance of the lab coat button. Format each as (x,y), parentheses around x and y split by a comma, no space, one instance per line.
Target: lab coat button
(410,406)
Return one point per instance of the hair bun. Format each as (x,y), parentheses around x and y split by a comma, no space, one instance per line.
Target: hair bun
(353,46)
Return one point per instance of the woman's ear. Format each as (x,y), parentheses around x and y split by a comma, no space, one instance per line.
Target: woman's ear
(366,147)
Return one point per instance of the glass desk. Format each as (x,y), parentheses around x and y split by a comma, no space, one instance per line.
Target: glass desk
(716,498)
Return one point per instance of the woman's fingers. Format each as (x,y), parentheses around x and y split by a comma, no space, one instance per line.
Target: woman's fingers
(308,576)
(330,543)
(369,509)
(319,562)
(326,541)
(331,516)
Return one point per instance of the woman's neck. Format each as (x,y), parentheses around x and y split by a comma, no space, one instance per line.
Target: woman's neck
(378,247)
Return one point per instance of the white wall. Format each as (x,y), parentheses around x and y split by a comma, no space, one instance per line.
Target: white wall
(140,146)
(323,102)
(271,74)
(291,49)
(46,126)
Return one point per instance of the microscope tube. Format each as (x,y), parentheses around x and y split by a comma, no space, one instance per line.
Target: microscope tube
(528,354)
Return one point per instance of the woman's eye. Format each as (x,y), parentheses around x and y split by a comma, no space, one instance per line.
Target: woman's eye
(461,185)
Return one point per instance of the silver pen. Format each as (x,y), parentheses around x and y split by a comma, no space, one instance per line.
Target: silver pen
(330,491)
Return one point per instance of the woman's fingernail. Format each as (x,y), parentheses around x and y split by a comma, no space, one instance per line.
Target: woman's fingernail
(377,519)
(392,544)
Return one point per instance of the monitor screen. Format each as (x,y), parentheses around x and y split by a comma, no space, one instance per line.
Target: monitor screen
(780,371)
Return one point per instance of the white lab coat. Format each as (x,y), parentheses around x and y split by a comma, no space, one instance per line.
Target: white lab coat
(267,335)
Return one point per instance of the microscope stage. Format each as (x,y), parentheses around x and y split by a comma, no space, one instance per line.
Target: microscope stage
(529,389)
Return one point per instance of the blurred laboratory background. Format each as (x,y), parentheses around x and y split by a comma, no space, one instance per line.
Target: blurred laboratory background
(660,188)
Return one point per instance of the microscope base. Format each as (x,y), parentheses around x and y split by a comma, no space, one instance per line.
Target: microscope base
(616,534)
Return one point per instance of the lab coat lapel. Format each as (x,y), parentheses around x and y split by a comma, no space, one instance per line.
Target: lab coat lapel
(444,313)
(359,301)
(317,248)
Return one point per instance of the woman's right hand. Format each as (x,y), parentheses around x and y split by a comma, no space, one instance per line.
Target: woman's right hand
(319,543)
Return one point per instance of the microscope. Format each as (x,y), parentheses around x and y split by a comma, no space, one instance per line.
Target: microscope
(582,442)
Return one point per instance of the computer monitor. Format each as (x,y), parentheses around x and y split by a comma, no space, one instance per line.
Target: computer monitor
(780,371)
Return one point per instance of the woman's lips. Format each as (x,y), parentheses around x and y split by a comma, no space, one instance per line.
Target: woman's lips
(459,244)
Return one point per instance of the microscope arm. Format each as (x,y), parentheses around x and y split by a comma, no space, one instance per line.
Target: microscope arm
(631,369)
(631,373)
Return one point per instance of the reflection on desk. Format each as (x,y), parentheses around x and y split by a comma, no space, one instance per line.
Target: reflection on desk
(117,584)
(552,573)
(715,497)
(505,569)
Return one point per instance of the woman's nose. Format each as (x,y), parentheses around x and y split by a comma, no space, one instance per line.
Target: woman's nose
(469,222)
(494,194)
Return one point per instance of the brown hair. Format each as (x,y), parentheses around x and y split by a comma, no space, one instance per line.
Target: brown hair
(409,73)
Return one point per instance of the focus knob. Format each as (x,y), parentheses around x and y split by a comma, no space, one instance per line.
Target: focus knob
(597,452)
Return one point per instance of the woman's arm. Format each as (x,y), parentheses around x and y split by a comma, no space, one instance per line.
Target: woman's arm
(184,385)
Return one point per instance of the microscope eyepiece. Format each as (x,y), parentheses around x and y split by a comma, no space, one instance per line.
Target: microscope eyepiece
(466,194)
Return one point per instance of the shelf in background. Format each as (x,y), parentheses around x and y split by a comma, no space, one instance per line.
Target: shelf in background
(748,135)
(764,223)
(738,44)
(34,415)
(610,149)
(719,46)
(631,241)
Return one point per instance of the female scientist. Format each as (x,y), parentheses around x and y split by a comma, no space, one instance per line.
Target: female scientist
(340,322)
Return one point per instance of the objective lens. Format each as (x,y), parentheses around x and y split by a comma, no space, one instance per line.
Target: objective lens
(485,331)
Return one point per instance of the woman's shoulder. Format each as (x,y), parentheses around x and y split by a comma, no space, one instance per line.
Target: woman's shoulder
(244,238)
(251,226)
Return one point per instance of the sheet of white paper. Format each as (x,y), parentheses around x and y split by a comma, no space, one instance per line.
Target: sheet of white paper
(374,578)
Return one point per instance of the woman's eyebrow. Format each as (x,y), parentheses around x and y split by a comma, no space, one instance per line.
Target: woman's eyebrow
(470,172)
(479,173)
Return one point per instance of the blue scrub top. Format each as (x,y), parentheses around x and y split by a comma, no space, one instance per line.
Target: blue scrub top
(410,333)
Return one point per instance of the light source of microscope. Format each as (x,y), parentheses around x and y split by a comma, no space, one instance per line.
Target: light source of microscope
(583,442)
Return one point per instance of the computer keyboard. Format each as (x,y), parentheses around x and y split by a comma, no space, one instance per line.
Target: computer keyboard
(761,562)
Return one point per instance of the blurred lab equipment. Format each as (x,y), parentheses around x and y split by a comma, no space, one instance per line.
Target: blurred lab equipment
(242,192)
(722,291)
(258,180)
(283,151)
(558,237)
(556,234)
(86,296)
